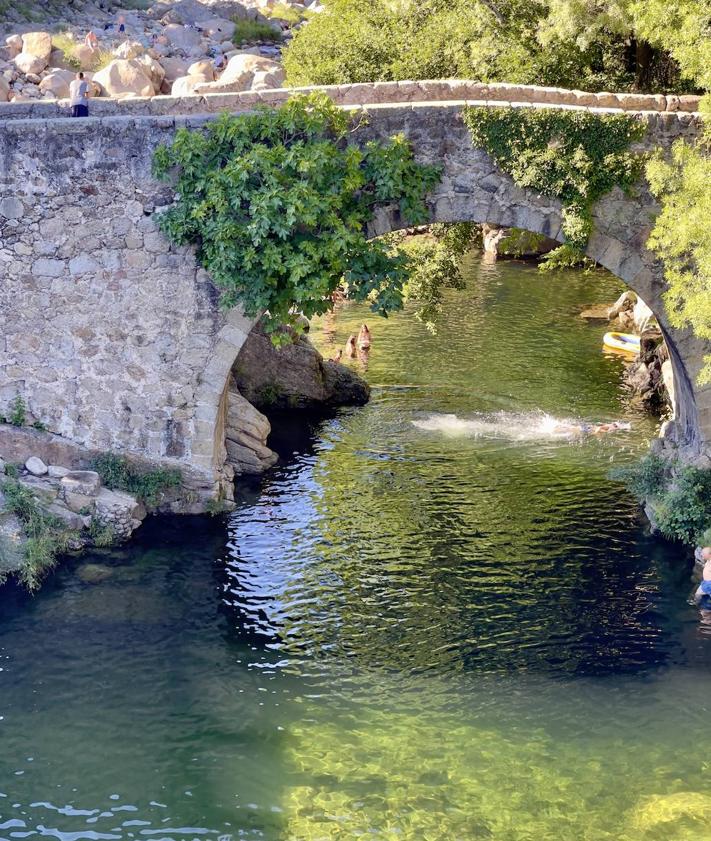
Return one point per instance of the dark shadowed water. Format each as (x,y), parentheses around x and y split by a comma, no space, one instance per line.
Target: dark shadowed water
(435,619)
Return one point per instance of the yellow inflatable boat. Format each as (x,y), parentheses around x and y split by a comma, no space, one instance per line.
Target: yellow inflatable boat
(625,342)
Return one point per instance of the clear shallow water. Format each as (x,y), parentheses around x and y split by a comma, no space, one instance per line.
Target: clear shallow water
(461,631)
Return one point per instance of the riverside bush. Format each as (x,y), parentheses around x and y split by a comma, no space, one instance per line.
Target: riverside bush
(47,536)
(278,204)
(118,474)
(679,496)
(574,156)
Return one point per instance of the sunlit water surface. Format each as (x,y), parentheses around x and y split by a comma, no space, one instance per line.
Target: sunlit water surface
(436,618)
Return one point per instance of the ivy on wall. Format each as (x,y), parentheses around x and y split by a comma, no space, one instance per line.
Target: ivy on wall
(277,204)
(574,156)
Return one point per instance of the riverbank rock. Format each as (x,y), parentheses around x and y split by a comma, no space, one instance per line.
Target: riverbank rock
(12,541)
(514,242)
(246,433)
(294,377)
(644,378)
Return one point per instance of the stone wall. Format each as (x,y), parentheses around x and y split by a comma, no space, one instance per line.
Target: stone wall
(366,93)
(115,339)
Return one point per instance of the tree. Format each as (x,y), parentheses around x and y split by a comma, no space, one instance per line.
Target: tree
(278,203)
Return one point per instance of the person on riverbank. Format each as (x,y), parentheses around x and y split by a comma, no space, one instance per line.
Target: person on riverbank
(79,96)
(702,596)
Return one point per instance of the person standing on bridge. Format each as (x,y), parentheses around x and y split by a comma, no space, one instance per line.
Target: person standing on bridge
(79,96)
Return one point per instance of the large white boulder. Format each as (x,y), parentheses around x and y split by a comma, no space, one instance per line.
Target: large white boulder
(29,63)
(240,72)
(218,28)
(124,78)
(37,43)
(129,49)
(57,83)
(182,37)
(186,85)
(174,67)
(203,68)
(268,80)
(153,69)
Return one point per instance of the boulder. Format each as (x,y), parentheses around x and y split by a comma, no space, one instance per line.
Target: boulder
(218,28)
(204,68)
(268,80)
(246,432)
(625,302)
(183,37)
(174,68)
(129,49)
(38,44)
(14,45)
(124,78)
(239,73)
(12,541)
(294,376)
(153,69)
(35,466)
(118,510)
(29,63)
(186,85)
(85,56)
(57,84)
(79,489)
(55,471)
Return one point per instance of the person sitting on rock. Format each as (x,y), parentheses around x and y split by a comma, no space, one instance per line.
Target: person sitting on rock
(79,96)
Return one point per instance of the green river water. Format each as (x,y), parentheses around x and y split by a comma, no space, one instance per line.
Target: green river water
(435,619)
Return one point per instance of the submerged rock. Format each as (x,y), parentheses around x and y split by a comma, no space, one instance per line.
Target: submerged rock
(295,376)
(94,573)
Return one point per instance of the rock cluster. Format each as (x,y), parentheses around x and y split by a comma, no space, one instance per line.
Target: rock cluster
(172,48)
(246,433)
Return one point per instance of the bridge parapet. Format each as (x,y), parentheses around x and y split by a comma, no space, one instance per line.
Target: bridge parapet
(367,93)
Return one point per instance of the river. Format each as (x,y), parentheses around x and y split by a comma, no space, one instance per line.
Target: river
(435,619)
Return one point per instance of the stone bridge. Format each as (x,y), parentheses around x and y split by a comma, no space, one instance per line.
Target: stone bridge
(115,339)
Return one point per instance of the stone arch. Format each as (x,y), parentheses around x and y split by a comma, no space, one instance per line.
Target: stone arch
(635,267)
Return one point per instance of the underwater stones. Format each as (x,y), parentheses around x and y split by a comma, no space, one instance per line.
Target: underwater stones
(94,573)
(668,808)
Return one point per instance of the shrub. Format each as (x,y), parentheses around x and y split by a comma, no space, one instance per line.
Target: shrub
(282,11)
(47,536)
(278,205)
(18,413)
(679,496)
(248,30)
(118,474)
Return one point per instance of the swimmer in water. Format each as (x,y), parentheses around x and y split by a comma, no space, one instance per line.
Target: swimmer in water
(590,428)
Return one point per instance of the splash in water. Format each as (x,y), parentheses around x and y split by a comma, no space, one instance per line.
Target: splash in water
(515,426)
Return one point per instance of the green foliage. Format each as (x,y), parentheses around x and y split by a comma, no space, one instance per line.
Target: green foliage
(12,470)
(646,479)
(681,236)
(47,536)
(248,30)
(119,474)
(574,156)
(590,44)
(434,266)
(102,534)
(679,496)
(283,11)
(18,411)
(278,205)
